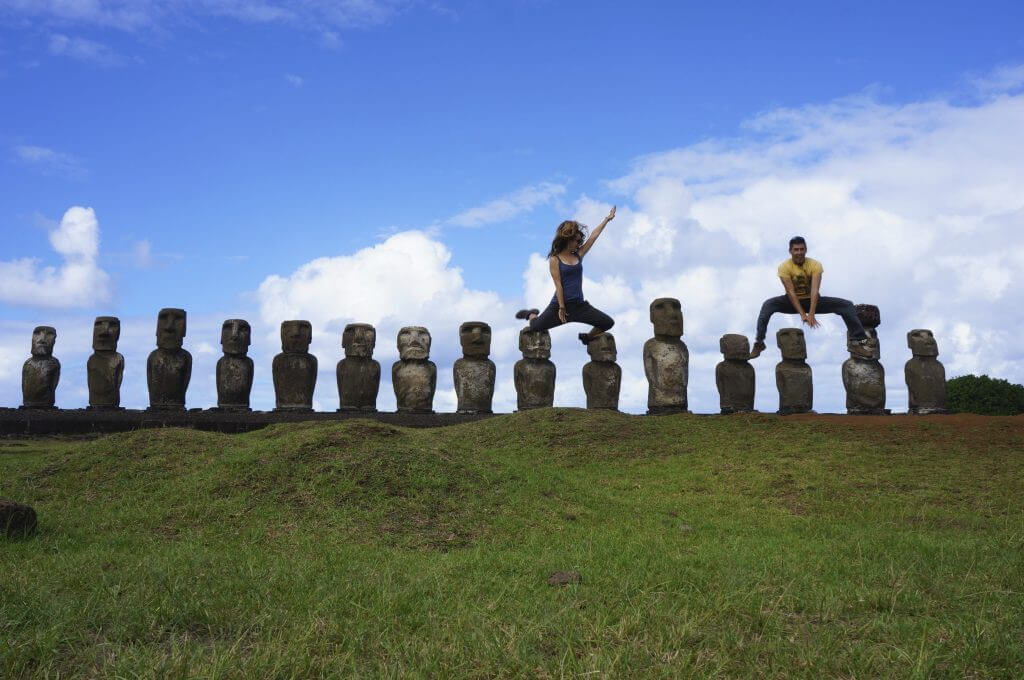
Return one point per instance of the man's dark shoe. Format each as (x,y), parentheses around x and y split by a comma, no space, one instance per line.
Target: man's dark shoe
(759,347)
(585,338)
(525,313)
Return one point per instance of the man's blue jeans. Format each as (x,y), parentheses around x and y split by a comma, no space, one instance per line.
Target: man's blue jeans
(826,305)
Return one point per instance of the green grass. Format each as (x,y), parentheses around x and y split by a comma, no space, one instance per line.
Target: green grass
(748,546)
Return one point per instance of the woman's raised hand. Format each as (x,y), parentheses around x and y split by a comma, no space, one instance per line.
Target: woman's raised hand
(611,215)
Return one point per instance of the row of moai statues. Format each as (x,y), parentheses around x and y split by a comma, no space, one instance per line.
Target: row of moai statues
(414,376)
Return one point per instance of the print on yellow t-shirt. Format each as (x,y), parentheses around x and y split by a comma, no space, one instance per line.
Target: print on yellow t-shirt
(801,275)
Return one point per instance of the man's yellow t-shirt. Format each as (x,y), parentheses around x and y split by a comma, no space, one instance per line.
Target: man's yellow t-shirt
(801,275)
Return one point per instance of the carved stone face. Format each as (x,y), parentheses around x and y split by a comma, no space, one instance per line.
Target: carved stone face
(413,343)
(106,330)
(535,344)
(296,336)
(602,348)
(873,349)
(43,338)
(734,346)
(791,343)
(170,328)
(667,317)
(922,343)
(235,336)
(358,340)
(475,337)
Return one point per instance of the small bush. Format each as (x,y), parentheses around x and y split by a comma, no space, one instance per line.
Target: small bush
(985,396)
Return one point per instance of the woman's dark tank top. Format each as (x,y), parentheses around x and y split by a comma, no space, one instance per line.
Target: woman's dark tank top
(572,280)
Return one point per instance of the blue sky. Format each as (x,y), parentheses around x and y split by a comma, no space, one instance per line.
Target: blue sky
(229,143)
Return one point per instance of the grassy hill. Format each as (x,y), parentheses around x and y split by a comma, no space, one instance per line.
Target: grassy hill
(747,546)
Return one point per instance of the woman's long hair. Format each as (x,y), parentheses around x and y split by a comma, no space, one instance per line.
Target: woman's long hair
(567,232)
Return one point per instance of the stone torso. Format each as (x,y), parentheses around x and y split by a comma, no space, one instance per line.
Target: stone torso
(535,383)
(864,381)
(104,371)
(926,385)
(294,380)
(39,378)
(414,381)
(358,383)
(474,384)
(234,381)
(735,381)
(601,382)
(796,387)
(667,364)
(168,372)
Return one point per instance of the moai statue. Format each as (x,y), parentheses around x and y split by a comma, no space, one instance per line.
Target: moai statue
(235,368)
(474,373)
(414,376)
(294,369)
(735,376)
(105,368)
(358,373)
(602,377)
(792,374)
(41,372)
(169,367)
(925,374)
(666,359)
(863,374)
(534,374)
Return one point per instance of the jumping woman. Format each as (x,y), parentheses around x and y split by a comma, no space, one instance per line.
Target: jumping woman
(565,262)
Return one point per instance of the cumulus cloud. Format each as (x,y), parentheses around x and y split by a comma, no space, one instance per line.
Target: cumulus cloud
(78,282)
(511,205)
(50,161)
(83,50)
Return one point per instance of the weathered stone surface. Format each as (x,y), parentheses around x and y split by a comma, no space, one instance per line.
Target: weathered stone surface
(564,578)
(474,373)
(869,315)
(666,359)
(534,374)
(169,367)
(792,375)
(41,372)
(105,368)
(16,521)
(235,369)
(358,373)
(864,377)
(414,376)
(925,374)
(602,377)
(735,376)
(294,369)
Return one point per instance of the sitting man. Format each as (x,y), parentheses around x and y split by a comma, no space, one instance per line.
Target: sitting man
(801,277)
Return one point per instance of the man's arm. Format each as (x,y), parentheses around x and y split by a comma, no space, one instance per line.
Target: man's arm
(787,283)
(815,285)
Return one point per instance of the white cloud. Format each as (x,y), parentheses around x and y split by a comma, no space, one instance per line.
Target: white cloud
(142,254)
(50,161)
(294,80)
(511,205)
(78,282)
(83,50)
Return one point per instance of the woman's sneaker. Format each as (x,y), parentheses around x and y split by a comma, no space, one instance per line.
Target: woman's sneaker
(525,313)
(585,338)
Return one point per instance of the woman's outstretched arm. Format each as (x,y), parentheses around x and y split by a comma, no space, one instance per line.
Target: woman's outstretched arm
(594,234)
(559,295)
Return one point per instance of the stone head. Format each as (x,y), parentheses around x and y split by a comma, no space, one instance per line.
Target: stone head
(869,315)
(475,337)
(602,348)
(791,343)
(922,343)
(358,340)
(235,336)
(667,317)
(43,338)
(873,352)
(535,344)
(170,328)
(106,330)
(413,343)
(734,346)
(296,336)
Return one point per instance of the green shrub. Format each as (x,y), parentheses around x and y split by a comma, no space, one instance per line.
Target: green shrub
(984,395)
